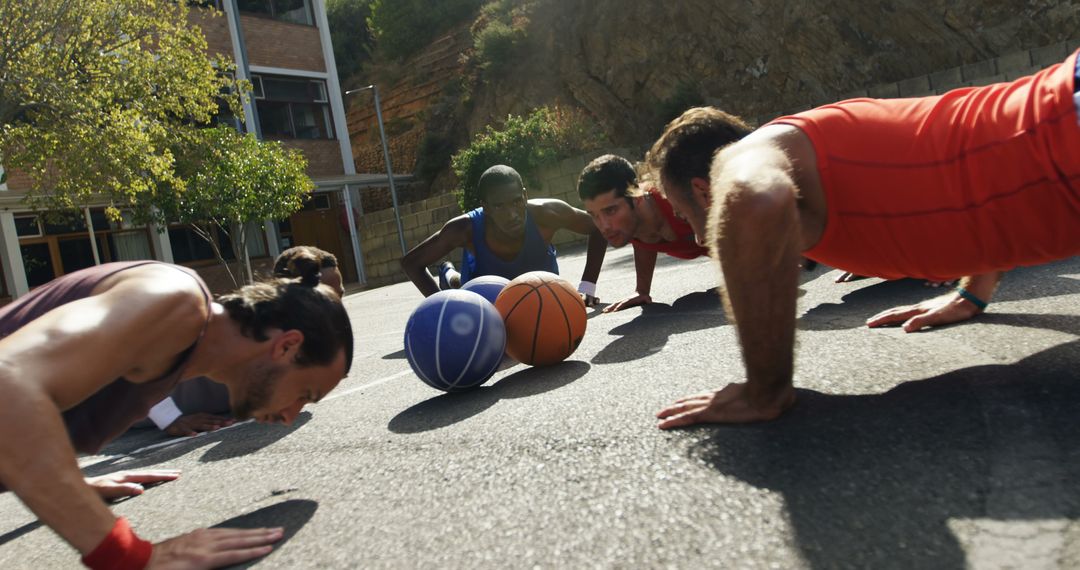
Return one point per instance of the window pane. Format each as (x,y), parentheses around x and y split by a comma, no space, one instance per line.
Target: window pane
(65,224)
(27,226)
(274,119)
(130,246)
(257,6)
(309,121)
(101,221)
(296,11)
(301,90)
(38,264)
(76,254)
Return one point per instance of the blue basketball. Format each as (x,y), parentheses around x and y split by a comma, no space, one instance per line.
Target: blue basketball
(454,340)
(488,286)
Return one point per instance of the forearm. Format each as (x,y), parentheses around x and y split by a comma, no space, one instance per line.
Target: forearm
(420,277)
(38,464)
(594,256)
(982,286)
(644,268)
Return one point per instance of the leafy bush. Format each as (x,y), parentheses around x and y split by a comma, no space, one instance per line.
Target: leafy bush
(498,46)
(349,32)
(403,27)
(525,143)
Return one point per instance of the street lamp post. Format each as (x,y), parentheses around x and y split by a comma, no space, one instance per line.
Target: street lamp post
(386,157)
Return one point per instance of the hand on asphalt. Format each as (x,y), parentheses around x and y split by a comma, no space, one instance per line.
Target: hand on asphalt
(943,310)
(213,548)
(192,424)
(731,404)
(627,303)
(129,483)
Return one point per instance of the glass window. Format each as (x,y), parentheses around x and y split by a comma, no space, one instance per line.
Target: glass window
(294,108)
(27,226)
(295,11)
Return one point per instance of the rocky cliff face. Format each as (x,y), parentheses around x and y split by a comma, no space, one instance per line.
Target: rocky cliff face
(631,63)
(621,60)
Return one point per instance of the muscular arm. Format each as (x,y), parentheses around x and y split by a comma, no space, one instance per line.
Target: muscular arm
(58,360)
(755,227)
(456,233)
(556,214)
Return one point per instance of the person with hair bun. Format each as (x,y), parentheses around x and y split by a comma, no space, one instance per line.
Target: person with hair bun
(85,356)
(309,261)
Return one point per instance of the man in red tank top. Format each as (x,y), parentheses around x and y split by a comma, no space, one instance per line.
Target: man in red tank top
(608,188)
(86,355)
(963,185)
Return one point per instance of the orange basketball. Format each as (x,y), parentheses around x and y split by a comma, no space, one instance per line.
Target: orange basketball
(544,316)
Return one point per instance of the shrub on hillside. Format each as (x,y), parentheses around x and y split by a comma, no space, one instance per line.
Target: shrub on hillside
(525,143)
(403,27)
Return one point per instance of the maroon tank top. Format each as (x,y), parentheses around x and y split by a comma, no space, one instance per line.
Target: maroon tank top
(111,410)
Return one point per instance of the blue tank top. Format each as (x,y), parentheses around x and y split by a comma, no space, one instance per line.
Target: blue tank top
(535,254)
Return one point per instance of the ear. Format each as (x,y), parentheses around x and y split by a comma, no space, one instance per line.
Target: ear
(286,345)
(701,191)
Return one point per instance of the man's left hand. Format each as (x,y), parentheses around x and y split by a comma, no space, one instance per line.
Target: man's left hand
(589,300)
(129,483)
(943,310)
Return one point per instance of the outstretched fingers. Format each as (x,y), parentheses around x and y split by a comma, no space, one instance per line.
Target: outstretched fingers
(894,316)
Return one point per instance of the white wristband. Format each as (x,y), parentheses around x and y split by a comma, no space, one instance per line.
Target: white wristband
(164,413)
(587,288)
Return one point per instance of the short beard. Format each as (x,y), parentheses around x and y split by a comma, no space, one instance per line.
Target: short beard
(262,381)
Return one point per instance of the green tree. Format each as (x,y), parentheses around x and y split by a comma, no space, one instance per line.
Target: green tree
(92,91)
(231,183)
(350,34)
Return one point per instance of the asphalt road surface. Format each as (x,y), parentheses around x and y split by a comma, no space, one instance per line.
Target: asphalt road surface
(952,448)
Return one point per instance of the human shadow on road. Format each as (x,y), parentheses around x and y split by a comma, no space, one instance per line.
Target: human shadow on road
(861,304)
(291,515)
(650,330)
(875,481)
(448,409)
(16,533)
(399,355)
(227,443)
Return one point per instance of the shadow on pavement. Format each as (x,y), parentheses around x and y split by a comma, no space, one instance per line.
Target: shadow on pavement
(231,442)
(650,330)
(873,481)
(24,529)
(399,355)
(448,409)
(291,515)
(1017,285)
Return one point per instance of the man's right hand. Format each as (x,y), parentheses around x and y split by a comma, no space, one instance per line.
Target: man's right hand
(192,424)
(628,302)
(213,548)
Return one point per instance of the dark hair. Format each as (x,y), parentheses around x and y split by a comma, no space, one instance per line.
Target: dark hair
(606,173)
(289,304)
(498,175)
(305,262)
(688,144)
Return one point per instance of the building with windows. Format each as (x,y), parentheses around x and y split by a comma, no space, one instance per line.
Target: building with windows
(283,47)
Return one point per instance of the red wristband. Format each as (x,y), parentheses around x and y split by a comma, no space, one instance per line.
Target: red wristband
(121,550)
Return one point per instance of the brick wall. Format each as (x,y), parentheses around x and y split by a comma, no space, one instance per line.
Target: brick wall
(273,43)
(323,156)
(215,26)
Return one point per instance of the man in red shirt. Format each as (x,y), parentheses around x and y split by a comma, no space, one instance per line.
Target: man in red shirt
(608,187)
(963,185)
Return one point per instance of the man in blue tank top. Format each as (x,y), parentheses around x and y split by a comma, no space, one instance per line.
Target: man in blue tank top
(507,235)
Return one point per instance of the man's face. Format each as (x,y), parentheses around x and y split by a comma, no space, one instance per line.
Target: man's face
(691,204)
(614,217)
(504,207)
(276,392)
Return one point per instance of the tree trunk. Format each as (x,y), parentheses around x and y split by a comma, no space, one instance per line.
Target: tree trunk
(205,233)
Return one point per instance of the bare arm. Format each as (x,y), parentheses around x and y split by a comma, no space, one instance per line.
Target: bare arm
(943,310)
(456,233)
(556,215)
(755,227)
(55,362)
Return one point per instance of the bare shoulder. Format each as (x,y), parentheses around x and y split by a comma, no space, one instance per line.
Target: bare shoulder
(156,291)
(551,211)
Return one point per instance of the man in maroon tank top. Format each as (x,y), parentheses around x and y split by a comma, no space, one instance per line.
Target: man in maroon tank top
(85,356)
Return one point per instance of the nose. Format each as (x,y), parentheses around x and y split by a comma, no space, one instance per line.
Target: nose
(288,415)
